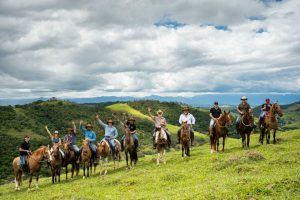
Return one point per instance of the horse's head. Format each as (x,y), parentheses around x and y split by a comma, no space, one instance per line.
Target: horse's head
(248,117)
(46,152)
(227,118)
(55,151)
(276,109)
(184,124)
(66,145)
(85,143)
(102,148)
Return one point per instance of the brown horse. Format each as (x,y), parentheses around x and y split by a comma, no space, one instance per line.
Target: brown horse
(70,159)
(220,130)
(56,163)
(34,165)
(86,156)
(245,127)
(129,148)
(270,123)
(161,146)
(185,139)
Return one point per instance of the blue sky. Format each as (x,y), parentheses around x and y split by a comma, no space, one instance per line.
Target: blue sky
(139,48)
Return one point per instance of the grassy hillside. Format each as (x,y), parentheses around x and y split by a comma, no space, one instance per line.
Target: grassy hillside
(263,172)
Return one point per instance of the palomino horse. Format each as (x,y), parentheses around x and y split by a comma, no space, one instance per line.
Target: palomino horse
(270,123)
(56,163)
(70,158)
(161,145)
(245,127)
(34,165)
(86,156)
(129,147)
(104,151)
(185,139)
(220,130)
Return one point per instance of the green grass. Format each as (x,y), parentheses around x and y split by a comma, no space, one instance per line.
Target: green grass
(263,172)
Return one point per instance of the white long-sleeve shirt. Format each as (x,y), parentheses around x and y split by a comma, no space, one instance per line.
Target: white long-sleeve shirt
(189,118)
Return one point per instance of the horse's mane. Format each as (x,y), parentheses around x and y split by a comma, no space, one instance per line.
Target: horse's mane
(37,151)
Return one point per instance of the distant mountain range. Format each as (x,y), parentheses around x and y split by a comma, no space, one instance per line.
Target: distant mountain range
(199,100)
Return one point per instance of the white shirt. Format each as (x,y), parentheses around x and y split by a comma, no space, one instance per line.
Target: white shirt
(189,118)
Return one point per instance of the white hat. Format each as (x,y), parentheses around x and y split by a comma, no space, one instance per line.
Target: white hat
(56,132)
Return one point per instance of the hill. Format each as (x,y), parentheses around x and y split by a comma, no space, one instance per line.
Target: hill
(263,172)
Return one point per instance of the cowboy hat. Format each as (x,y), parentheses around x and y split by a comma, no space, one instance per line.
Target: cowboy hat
(186,108)
(55,132)
(89,125)
(110,121)
(244,98)
(159,111)
(131,119)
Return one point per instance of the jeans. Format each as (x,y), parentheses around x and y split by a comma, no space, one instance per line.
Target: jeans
(23,162)
(135,140)
(262,114)
(238,119)
(75,148)
(212,123)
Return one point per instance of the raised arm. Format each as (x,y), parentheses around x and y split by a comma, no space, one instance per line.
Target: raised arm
(49,133)
(150,114)
(100,122)
(74,127)
(82,129)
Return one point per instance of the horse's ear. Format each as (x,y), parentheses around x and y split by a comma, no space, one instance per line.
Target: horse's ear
(228,112)
(224,112)
(48,146)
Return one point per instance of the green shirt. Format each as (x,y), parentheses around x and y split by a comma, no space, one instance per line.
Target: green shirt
(244,107)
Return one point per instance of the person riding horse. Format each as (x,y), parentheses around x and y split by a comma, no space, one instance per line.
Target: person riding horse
(264,109)
(160,123)
(111,133)
(215,114)
(241,109)
(70,138)
(187,116)
(55,139)
(24,152)
(89,135)
(132,127)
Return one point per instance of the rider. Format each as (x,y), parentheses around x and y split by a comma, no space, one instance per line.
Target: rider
(186,116)
(89,135)
(132,127)
(111,133)
(160,122)
(264,109)
(70,138)
(241,109)
(24,152)
(215,114)
(55,139)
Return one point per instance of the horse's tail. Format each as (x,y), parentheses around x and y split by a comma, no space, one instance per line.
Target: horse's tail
(134,155)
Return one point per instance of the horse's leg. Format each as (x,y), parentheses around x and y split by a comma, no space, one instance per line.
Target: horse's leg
(131,158)
(83,170)
(53,174)
(58,173)
(126,154)
(67,171)
(217,141)
(182,150)
(248,140)
(158,157)
(37,180)
(274,136)
(223,142)
(188,150)
(268,136)
(164,157)
(30,180)
(101,165)
(106,165)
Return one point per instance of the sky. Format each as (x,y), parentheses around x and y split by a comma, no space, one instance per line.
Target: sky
(93,48)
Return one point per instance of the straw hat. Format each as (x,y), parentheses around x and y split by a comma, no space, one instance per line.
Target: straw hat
(159,112)
(244,98)
(110,121)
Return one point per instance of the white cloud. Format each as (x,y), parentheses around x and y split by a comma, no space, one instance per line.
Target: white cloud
(99,48)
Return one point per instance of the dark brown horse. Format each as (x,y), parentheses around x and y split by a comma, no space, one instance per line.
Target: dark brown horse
(185,139)
(56,163)
(86,157)
(34,165)
(270,123)
(245,127)
(129,148)
(220,130)
(70,159)
(161,145)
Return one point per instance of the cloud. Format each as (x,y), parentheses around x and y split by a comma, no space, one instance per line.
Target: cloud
(81,49)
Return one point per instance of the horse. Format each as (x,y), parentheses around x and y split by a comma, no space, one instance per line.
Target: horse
(220,130)
(129,147)
(86,156)
(270,123)
(34,163)
(185,139)
(245,127)
(161,146)
(56,163)
(70,158)
(104,151)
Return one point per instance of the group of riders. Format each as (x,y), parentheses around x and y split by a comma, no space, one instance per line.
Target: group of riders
(111,132)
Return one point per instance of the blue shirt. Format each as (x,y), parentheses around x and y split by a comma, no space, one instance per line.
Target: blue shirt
(110,132)
(55,140)
(89,135)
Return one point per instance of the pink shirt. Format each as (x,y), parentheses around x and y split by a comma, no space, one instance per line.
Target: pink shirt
(160,121)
